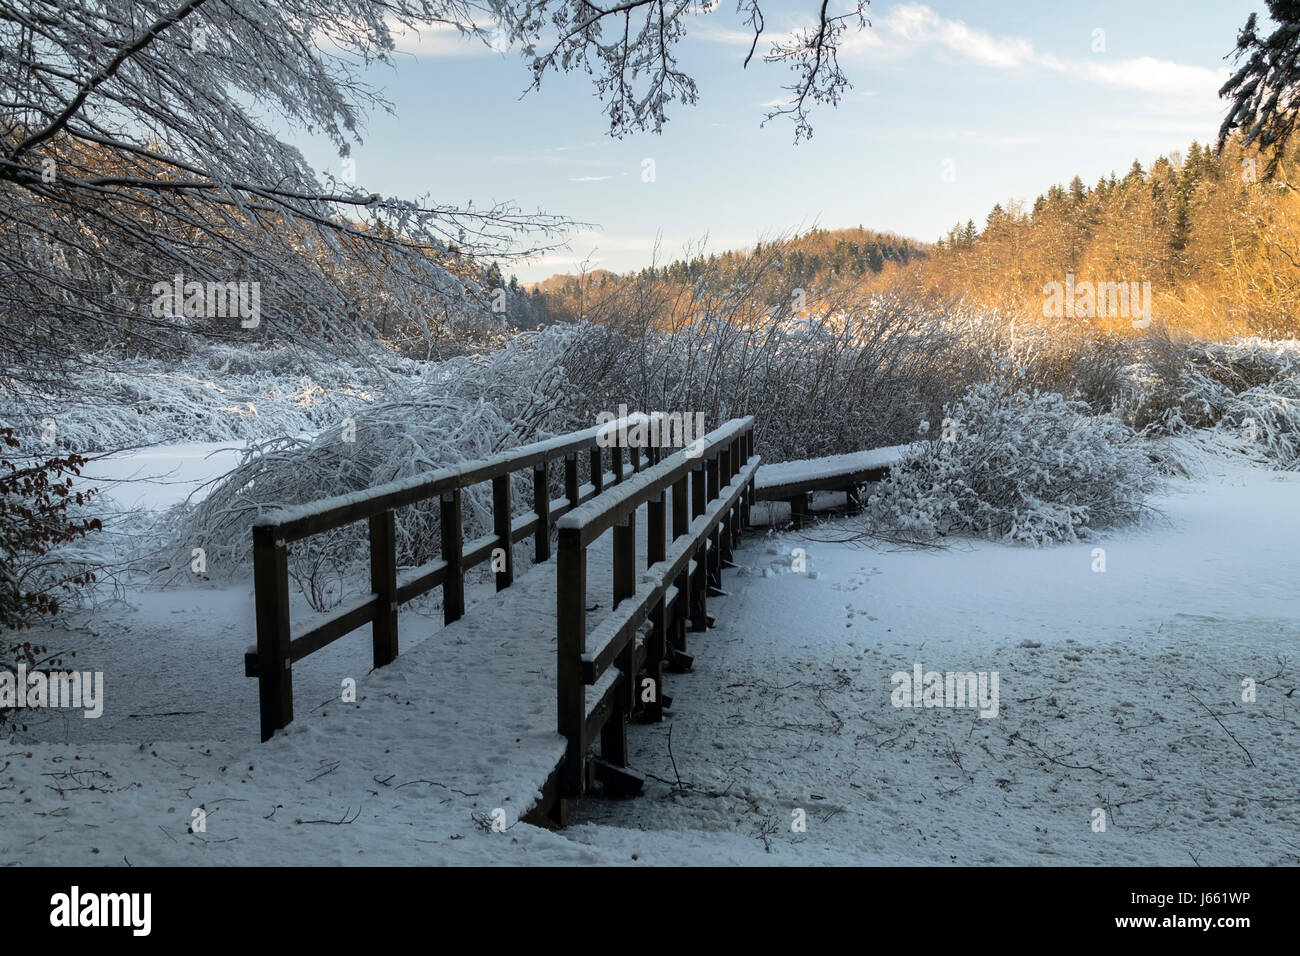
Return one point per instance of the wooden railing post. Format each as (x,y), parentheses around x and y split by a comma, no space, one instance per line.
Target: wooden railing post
(677,621)
(541,508)
(571,486)
(715,536)
(571,644)
(501,527)
(625,558)
(453,549)
(616,462)
(724,528)
(383,582)
(749,488)
(613,736)
(597,471)
(733,517)
(271,584)
(656,641)
(699,585)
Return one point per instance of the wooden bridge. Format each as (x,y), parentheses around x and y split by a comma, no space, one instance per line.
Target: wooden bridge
(658,530)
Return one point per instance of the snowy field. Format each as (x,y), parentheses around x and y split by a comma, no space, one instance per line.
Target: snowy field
(1120,699)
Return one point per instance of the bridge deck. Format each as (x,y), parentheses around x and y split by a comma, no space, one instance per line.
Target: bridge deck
(472,705)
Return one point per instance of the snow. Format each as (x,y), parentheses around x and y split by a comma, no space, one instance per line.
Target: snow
(1104,683)
(789,472)
(788,705)
(161,475)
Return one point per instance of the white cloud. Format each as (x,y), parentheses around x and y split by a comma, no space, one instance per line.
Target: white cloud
(918,25)
(587,179)
(1178,86)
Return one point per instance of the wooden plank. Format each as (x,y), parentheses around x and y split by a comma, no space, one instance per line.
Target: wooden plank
(833,482)
(597,470)
(417,581)
(309,642)
(453,545)
(271,584)
(383,583)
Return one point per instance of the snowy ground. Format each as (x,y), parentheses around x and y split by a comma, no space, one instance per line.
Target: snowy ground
(1119,692)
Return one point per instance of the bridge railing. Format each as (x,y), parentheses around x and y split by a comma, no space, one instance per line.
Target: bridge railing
(279,648)
(604,676)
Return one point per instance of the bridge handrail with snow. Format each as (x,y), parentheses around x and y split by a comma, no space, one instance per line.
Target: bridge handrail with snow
(597,673)
(278,648)
(793,481)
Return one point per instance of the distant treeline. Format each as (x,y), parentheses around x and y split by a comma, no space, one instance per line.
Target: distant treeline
(1214,246)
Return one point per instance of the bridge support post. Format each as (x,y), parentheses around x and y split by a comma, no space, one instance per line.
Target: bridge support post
(383,582)
(541,508)
(274,674)
(571,644)
(678,659)
(714,562)
(613,736)
(656,642)
(502,527)
(799,509)
(453,548)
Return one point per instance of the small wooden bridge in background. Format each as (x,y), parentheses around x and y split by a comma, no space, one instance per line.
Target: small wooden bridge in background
(607,667)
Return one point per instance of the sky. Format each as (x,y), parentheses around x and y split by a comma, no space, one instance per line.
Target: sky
(954,107)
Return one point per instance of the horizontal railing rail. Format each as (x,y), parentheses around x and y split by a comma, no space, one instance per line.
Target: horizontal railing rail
(278,648)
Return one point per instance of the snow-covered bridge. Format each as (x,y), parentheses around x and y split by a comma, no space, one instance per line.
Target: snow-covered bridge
(601,651)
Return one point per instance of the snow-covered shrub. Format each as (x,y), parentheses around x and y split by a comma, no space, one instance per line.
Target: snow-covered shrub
(219,394)
(1238,398)
(1019,466)
(464,409)
(1265,419)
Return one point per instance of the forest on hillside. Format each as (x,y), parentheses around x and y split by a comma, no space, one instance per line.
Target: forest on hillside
(1218,245)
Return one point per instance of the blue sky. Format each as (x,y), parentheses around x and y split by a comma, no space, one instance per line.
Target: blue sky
(955,107)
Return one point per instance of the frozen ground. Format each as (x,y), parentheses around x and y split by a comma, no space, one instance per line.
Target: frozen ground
(1120,696)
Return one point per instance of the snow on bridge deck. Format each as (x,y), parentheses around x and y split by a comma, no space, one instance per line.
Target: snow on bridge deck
(828,473)
(459,725)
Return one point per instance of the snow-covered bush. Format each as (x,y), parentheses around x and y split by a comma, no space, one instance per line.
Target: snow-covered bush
(1237,398)
(460,410)
(1019,466)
